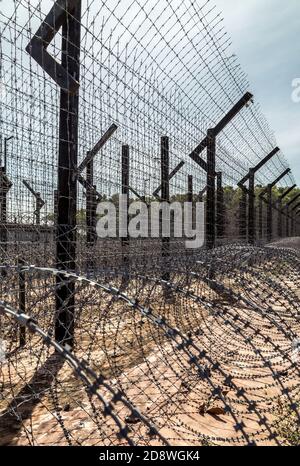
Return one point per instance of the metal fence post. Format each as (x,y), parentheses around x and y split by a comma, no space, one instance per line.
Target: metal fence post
(210,196)
(279,219)
(5,185)
(220,206)
(125,191)
(89,203)
(260,217)
(165,197)
(190,189)
(287,231)
(22,301)
(281,212)
(55,208)
(67,182)
(243,215)
(269,214)
(3,213)
(251,208)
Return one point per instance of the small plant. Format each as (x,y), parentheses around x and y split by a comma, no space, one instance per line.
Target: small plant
(288,423)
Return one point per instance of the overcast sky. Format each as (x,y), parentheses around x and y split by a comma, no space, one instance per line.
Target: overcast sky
(266,37)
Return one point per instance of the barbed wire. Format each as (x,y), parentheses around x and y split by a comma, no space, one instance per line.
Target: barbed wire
(140,341)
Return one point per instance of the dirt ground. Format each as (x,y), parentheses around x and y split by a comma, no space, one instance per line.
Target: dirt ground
(199,369)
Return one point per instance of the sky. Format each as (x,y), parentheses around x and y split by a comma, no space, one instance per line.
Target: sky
(265,37)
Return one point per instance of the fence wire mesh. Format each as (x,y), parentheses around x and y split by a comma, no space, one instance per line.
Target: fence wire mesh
(140,341)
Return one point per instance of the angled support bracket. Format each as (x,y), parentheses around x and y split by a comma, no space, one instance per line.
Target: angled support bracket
(87,186)
(201,194)
(268,191)
(37,47)
(294,199)
(295,207)
(259,165)
(92,196)
(171,175)
(250,177)
(281,211)
(195,154)
(141,198)
(92,153)
(279,178)
(209,166)
(39,202)
(5,183)
(288,191)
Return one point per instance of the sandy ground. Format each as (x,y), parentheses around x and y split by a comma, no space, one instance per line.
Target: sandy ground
(232,380)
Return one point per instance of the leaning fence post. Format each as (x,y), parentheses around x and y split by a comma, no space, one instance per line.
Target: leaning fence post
(22,300)
(210,196)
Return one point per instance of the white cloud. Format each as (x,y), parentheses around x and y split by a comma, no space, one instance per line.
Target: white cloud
(265,36)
